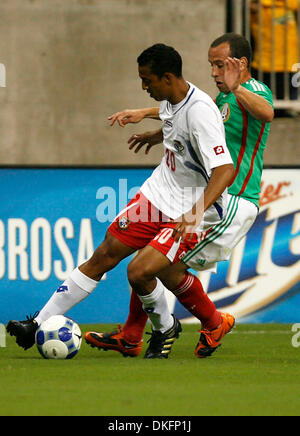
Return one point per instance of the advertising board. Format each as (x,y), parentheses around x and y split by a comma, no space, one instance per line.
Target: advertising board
(52,219)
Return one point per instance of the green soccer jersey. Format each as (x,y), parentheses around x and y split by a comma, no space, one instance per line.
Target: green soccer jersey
(246,140)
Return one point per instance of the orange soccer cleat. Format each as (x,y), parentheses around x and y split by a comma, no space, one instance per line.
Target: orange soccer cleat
(113,341)
(210,340)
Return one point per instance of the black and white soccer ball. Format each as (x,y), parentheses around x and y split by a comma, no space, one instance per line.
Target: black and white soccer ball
(58,338)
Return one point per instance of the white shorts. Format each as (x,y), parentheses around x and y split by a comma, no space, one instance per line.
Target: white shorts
(218,243)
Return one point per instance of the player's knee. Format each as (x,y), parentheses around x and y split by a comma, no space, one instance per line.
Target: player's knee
(102,259)
(134,276)
(138,274)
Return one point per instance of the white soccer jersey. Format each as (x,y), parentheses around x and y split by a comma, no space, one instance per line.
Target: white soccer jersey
(194,144)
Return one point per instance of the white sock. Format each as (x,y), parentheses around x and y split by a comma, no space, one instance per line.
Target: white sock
(156,307)
(74,289)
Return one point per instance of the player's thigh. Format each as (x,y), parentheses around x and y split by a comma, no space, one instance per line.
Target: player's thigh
(133,225)
(109,253)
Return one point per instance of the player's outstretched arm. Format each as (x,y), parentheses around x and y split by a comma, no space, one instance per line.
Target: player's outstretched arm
(149,139)
(134,115)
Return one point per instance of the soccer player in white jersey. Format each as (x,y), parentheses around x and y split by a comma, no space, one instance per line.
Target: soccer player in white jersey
(247,110)
(183,198)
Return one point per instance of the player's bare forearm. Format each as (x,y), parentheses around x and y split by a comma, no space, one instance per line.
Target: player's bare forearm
(151,112)
(148,112)
(255,104)
(220,178)
(134,115)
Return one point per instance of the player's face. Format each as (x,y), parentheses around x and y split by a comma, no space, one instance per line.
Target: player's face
(155,86)
(216,58)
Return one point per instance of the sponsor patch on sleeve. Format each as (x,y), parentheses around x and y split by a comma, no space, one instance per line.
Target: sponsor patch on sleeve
(219,149)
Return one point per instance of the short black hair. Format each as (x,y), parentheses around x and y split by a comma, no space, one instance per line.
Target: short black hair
(239,45)
(161,59)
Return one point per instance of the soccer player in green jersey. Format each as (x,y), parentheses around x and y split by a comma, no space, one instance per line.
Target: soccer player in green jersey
(246,106)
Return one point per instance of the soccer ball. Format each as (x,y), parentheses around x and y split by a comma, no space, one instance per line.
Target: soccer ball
(58,338)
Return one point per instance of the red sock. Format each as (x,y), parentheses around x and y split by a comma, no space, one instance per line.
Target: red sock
(134,327)
(191,295)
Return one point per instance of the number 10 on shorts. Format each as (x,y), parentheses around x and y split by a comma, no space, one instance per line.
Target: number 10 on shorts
(163,236)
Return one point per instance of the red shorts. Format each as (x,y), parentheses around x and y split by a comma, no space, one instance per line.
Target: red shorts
(140,224)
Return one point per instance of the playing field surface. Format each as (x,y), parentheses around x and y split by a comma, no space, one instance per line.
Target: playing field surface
(255,372)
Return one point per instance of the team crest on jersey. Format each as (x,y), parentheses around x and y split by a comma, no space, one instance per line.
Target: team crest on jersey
(123,223)
(225,112)
(179,147)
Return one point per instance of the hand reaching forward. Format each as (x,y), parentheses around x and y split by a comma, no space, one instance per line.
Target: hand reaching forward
(134,115)
(148,138)
(127,116)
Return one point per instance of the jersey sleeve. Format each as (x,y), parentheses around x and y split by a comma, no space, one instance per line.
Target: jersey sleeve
(262,90)
(207,132)
(162,109)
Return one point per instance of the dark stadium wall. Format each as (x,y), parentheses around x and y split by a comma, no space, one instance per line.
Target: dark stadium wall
(69,65)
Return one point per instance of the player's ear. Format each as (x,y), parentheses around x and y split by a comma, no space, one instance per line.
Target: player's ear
(244,63)
(168,77)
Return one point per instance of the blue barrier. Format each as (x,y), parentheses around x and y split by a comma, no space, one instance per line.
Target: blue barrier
(48,225)
(52,219)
